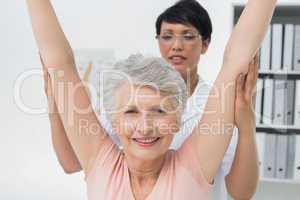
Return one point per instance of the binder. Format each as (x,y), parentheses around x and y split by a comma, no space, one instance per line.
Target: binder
(297,159)
(260,143)
(280,88)
(277,40)
(288,47)
(281,156)
(258,103)
(270,156)
(267,115)
(291,156)
(297,48)
(289,102)
(289,115)
(265,52)
(297,105)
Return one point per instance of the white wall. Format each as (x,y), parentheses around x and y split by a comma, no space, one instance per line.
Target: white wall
(28,168)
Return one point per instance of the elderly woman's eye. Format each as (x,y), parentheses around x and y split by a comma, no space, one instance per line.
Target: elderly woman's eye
(131,112)
(160,111)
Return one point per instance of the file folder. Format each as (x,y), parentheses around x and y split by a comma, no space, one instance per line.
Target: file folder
(297,48)
(289,105)
(280,89)
(277,41)
(268,101)
(270,156)
(291,156)
(297,105)
(281,156)
(258,103)
(265,52)
(297,159)
(260,143)
(288,47)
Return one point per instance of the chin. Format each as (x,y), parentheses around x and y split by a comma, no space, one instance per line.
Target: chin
(146,156)
(180,68)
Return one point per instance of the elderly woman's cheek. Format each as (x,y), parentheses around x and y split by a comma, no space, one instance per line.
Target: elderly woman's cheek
(167,127)
(123,126)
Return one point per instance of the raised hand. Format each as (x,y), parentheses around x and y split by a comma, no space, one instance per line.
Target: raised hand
(245,95)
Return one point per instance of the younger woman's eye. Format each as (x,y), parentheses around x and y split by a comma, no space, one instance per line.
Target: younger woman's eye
(189,37)
(167,37)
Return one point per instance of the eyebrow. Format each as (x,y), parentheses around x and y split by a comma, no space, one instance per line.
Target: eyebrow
(155,107)
(152,108)
(182,32)
(131,107)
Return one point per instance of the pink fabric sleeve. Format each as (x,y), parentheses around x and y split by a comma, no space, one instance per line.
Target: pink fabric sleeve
(106,157)
(188,159)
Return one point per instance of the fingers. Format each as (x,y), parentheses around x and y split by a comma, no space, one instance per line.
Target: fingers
(256,64)
(252,76)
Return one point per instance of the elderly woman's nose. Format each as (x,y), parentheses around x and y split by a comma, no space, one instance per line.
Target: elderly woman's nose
(145,125)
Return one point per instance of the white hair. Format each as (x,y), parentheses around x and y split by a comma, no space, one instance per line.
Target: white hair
(139,70)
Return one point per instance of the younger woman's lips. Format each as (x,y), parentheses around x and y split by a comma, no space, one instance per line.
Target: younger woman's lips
(177,60)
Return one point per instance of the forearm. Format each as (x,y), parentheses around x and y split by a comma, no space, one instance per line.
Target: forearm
(52,43)
(242,180)
(62,147)
(249,33)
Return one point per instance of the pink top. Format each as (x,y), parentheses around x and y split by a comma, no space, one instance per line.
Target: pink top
(180,177)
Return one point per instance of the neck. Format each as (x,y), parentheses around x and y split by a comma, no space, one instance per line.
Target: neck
(192,80)
(141,169)
(143,175)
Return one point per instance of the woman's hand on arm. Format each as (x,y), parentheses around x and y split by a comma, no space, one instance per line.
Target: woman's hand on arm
(242,179)
(62,147)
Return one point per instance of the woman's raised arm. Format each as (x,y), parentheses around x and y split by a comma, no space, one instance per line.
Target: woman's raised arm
(80,122)
(248,34)
(212,135)
(54,47)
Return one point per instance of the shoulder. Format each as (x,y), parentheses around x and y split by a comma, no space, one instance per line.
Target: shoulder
(106,159)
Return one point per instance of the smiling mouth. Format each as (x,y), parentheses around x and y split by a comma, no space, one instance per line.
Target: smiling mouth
(146,142)
(177,59)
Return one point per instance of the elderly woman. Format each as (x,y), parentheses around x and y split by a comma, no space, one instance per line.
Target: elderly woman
(177,31)
(146,113)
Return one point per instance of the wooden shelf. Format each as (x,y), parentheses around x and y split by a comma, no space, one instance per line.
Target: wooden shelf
(278,129)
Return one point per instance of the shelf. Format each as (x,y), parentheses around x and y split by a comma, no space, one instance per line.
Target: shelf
(278,129)
(282,74)
(287,12)
(279,181)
